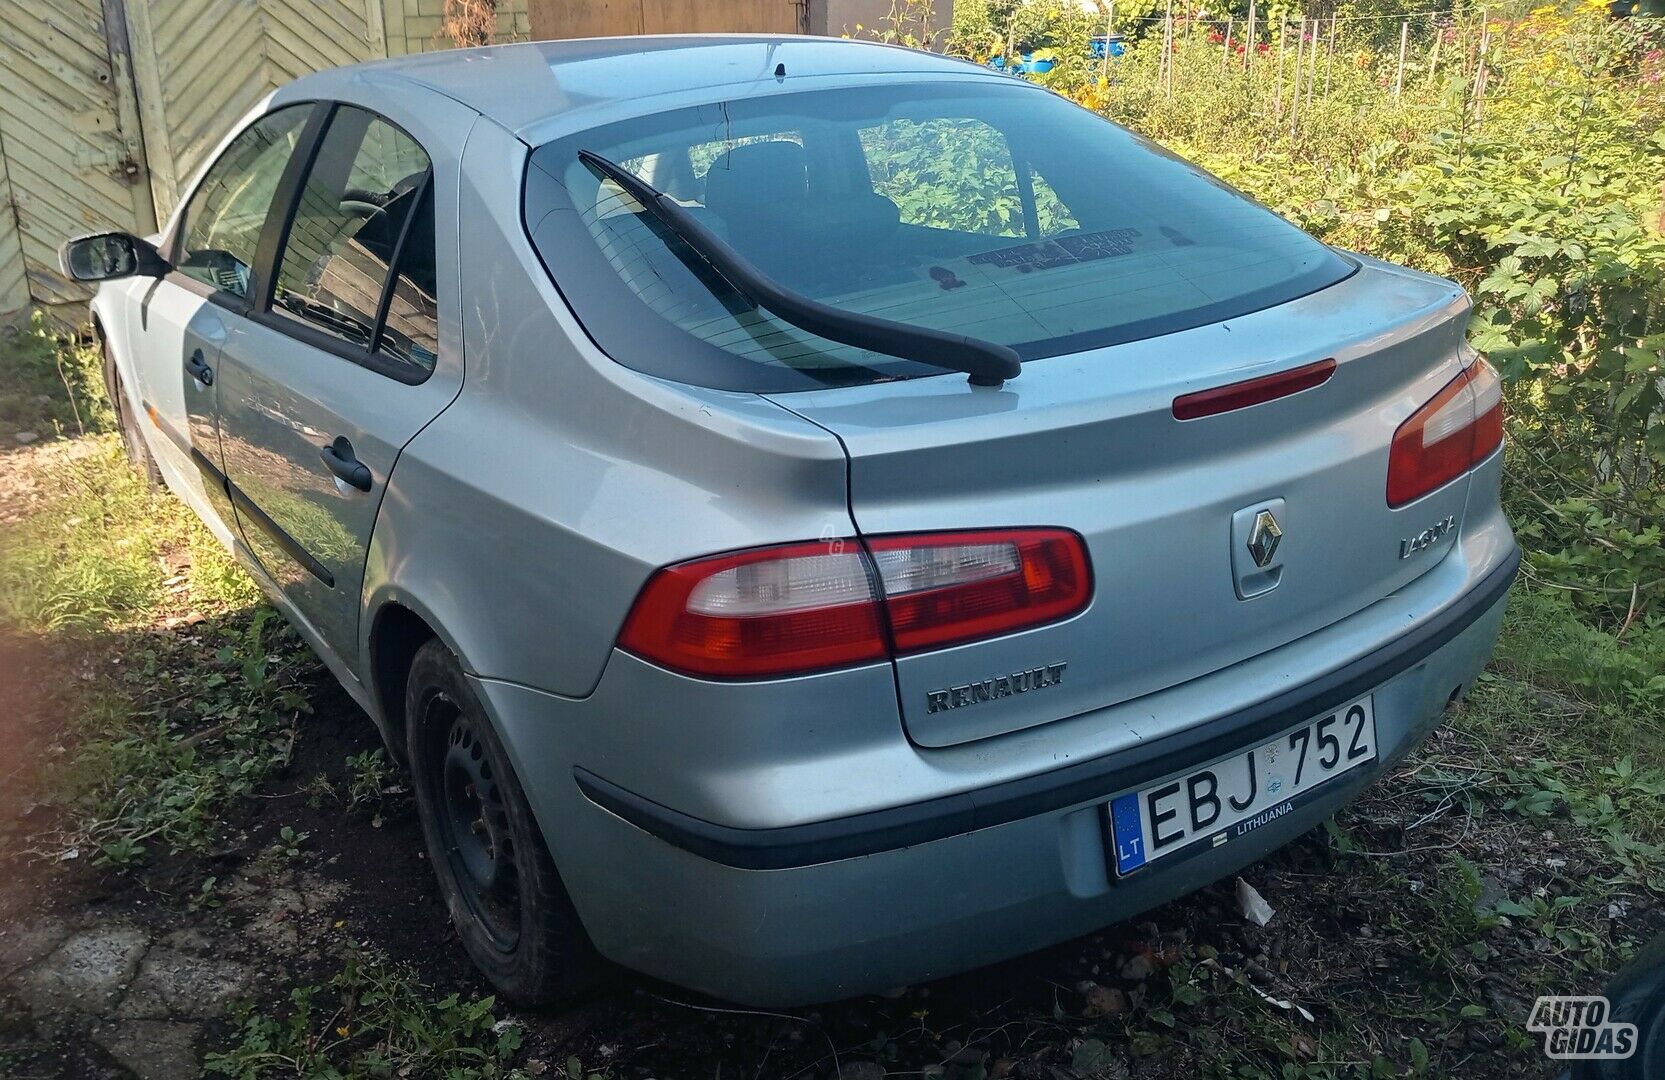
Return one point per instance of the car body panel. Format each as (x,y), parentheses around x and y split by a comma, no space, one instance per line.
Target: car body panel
(1089,442)
(166,324)
(540,90)
(901,916)
(734,766)
(638,473)
(282,400)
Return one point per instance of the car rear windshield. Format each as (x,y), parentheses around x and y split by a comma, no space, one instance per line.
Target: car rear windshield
(985,207)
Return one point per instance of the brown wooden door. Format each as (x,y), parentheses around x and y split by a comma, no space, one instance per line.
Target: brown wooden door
(606,18)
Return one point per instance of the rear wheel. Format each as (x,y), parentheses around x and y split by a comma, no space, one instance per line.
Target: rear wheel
(132,439)
(500,884)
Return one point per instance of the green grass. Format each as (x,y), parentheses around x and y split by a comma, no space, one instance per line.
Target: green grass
(49,387)
(190,685)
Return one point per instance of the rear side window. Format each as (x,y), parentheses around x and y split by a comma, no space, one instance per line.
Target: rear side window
(365,207)
(223,220)
(977,206)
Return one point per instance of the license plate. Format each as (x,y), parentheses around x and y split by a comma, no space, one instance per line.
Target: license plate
(1236,795)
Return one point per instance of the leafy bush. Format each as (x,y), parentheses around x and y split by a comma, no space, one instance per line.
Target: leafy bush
(1540,193)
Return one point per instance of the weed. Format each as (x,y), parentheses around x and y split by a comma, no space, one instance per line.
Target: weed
(289,841)
(370,778)
(207,895)
(373,1019)
(51,384)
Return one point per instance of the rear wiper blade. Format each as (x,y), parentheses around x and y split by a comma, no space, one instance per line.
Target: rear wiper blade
(987,363)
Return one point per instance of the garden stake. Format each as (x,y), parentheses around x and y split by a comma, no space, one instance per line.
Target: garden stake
(1404,40)
(1295,86)
(1249,38)
(1480,67)
(1168,51)
(1312,63)
(1277,94)
(1329,60)
(1109,32)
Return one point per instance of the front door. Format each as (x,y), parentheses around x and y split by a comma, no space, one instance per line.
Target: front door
(178,324)
(320,391)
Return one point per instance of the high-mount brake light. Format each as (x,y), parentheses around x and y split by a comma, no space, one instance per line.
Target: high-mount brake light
(1240,395)
(1458,428)
(797,608)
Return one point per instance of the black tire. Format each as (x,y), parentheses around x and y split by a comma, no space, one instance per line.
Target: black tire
(132,439)
(499,883)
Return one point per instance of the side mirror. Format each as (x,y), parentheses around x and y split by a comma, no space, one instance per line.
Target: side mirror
(108,256)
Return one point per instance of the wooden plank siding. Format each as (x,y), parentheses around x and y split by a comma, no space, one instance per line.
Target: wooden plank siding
(201,64)
(70,165)
(14,284)
(109,107)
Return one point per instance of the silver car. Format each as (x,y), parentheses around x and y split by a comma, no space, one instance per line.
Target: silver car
(813,516)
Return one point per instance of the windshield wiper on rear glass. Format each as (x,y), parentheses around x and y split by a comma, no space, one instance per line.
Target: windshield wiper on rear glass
(987,363)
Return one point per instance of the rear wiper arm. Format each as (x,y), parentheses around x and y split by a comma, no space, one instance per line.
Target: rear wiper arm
(987,363)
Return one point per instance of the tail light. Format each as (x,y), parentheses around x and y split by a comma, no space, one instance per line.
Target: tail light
(1456,430)
(808,607)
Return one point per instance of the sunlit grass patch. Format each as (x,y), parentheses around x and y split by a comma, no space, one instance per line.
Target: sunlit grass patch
(178,686)
(103,551)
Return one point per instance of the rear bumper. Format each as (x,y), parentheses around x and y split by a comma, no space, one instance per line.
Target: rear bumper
(1097,779)
(827,909)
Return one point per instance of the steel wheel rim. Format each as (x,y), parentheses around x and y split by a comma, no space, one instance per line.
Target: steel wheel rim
(474,824)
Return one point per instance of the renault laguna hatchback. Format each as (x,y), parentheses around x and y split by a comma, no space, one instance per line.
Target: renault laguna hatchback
(812,516)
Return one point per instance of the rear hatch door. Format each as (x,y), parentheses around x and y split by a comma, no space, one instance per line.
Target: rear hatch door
(1089,441)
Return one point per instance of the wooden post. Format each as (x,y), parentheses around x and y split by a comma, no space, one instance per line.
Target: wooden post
(1480,67)
(1312,62)
(1225,49)
(1249,38)
(1011,43)
(1109,32)
(1434,53)
(1277,93)
(1162,56)
(1295,86)
(1329,60)
(1404,40)
(1168,51)
(1463,46)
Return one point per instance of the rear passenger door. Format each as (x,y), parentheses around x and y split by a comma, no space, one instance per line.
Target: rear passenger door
(339,364)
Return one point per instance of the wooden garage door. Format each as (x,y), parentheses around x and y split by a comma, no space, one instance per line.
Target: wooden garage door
(200,64)
(69,139)
(606,18)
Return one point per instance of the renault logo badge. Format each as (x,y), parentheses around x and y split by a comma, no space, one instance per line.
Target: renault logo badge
(1264,537)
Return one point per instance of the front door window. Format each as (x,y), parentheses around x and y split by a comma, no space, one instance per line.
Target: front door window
(221,227)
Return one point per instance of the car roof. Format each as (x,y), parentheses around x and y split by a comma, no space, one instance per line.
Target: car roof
(541,89)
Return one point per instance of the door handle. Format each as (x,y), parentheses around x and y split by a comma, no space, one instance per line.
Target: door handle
(338,455)
(199,369)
